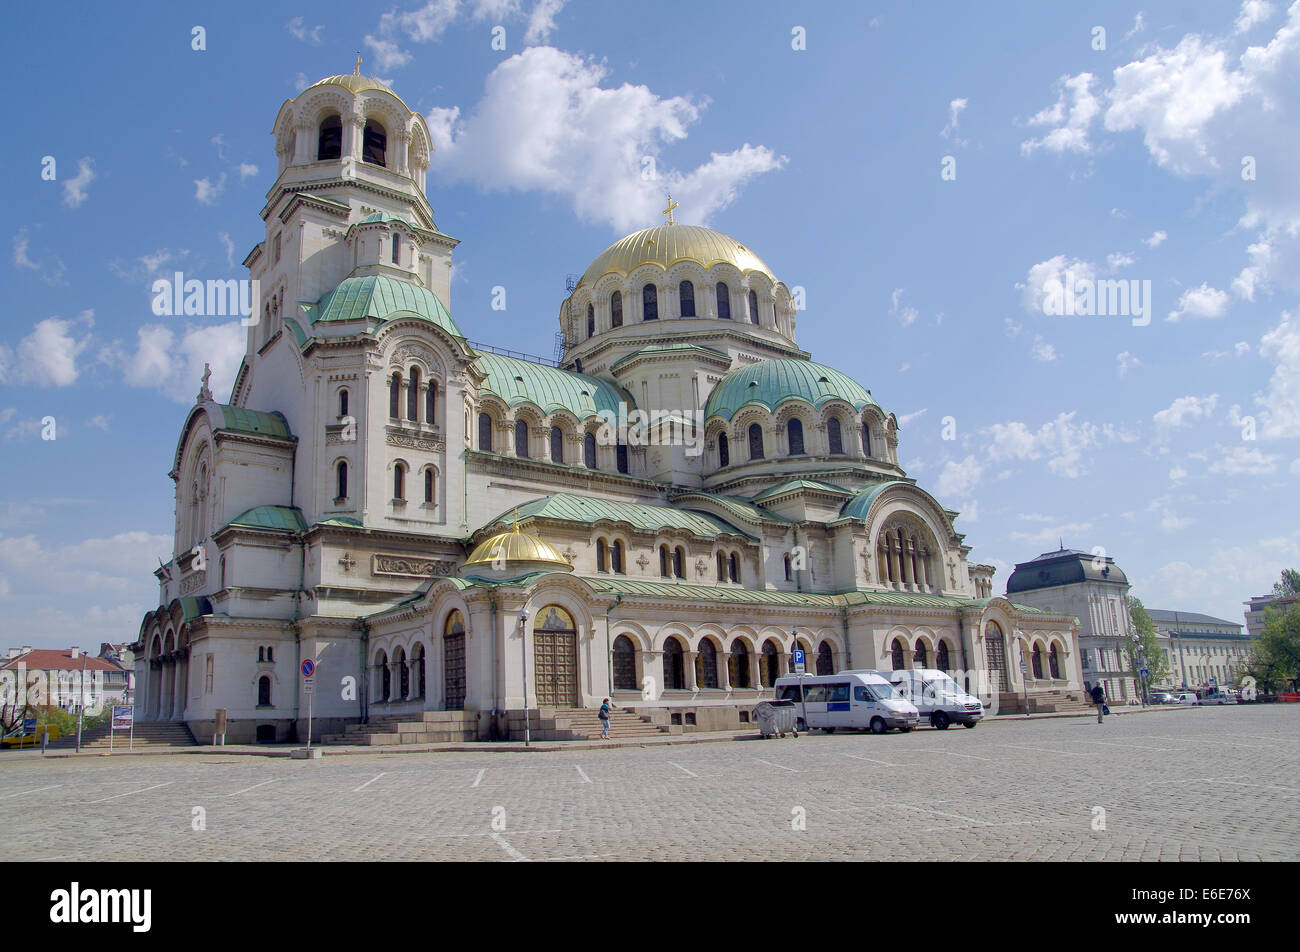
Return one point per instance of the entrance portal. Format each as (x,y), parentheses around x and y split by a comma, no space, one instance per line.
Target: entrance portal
(555,647)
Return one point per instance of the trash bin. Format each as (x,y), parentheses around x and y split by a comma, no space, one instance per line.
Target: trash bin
(775,718)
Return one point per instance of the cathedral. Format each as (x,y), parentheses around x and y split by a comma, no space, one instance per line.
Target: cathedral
(482,542)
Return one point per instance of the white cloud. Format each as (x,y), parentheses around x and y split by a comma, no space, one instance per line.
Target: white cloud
(1241,348)
(1243,461)
(173,362)
(546,124)
(148,265)
(1042,351)
(229,247)
(246,170)
(1172,522)
(958,478)
(1177,474)
(1054,534)
(1156,240)
(48,355)
(74,189)
(1185,411)
(99,422)
(1280,417)
(907,418)
(1072,116)
(950,130)
(1011,328)
(1053,277)
(1119,259)
(1295,467)
(1062,442)
(207,193)
(1139,24)
(20,252)
(1253,12)
(1204,301)
(1126,362)
(1223,576)
(428,23)
(49,269)
(300,32)
(541,22)
(905,313)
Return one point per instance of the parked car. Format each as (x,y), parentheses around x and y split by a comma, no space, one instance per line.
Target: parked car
(1187,697)
(1160,697)
(850,699)
(939,699)
(1219,697)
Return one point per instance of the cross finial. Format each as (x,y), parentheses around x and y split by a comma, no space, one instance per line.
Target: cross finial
(669,210)
(205,393)
(356,70)
(515,522)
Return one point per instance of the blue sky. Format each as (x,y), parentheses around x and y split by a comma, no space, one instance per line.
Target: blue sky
(1115,157)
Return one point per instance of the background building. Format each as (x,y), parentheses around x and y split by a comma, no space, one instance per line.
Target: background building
(1202,651)
(1258,606)
(60,670)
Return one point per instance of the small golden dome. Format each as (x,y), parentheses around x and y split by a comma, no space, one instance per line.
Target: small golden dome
(512,555)
(666,245)
(356,83)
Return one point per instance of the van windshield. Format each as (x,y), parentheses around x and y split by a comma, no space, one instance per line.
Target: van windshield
(942,685)
(882,692)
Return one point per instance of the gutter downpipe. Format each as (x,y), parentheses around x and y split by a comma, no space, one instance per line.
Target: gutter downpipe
(609,646)
(363,696)
(297,602)
(496,669)
(848,648)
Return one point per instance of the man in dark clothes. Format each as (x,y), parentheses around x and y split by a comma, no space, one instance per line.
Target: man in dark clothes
(1099,698)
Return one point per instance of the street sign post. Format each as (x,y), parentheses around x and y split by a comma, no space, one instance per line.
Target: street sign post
(308,688)
(123,719)
(799,665)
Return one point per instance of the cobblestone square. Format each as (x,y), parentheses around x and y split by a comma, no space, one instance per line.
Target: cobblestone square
(1196,784)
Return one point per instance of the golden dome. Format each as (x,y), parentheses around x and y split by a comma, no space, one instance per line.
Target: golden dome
(666,245)
(512,555)
(356,83)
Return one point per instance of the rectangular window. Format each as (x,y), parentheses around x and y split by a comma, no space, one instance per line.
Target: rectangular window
(838,692)
(207,675)
(276,245)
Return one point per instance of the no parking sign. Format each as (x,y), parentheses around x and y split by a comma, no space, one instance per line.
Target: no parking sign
(308,667)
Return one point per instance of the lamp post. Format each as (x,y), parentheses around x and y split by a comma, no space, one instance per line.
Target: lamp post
(1024,670)
(81,701)
(1140,656)
(523,641)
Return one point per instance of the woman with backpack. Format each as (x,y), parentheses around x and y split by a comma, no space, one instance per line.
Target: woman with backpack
(604,719)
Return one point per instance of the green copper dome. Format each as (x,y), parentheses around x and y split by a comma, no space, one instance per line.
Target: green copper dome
(384,298)
(769,383)
(521,381)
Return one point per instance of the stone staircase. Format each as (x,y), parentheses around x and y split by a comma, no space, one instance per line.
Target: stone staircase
(1045,702)
(418,727)
(149,734)
(584,724)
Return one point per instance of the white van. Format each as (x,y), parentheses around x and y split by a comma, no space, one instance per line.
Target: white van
(858,700)
(939,699)
(1186,698)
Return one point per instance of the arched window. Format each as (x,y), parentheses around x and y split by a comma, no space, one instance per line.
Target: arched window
(395,397)
(679,562)
(825,660)
(920,657)
(374,143)
(663,561)
(264,691)
(616,309)
(431,403)
(399,481)
(1038,661)
(833,436)
(686,292)
(674,666)
(343,402)
(706,665)
(341,474)
(649,303)
(1054,661)
(724,450)
(591,321)
(589,450)
(397,248)
(896,654)
(722,567)
(941,657)
(624,664)
(453,662)
(724,302)
(485,432)
(428,485)
(557,445)
(600,556)
(223,572)
(403,675)
(413,396)
(261,653)
(617,556)
(753,307)
(620,457)
(794,434)
(733,567)
(417,657)
(329,141)
(738,665)
(385,678)
(866,440)
(521,438)
(755,441)
(788,575)
(771,666)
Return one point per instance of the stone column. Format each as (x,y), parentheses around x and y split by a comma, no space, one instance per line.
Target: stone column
(688,662)
(303,147)
(755,670)
(724,672)
(354,127)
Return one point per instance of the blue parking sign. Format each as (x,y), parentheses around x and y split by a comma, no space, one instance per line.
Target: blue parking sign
(798,656)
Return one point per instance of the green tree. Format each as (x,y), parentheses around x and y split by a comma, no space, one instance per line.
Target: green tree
(1147,647)
(1278,651)
(1288,585)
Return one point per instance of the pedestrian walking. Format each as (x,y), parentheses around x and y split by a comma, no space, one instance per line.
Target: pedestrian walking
(604,719)
(1099,698)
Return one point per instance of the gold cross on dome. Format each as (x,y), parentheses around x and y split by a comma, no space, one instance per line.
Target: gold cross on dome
(669,210)
(356,70)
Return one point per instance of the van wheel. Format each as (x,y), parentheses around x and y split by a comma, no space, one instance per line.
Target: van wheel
(878,725)
(940,720)
(969,724)
(829,730)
